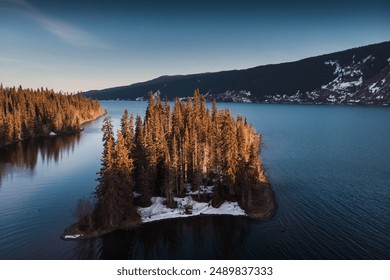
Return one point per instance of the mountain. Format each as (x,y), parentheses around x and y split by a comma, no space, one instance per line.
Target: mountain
(355,76)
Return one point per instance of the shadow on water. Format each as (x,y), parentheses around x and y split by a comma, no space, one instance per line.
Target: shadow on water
(25,154)
(203,237)
(87,249)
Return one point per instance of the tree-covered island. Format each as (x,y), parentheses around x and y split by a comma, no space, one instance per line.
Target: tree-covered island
(177,162)
(26,113)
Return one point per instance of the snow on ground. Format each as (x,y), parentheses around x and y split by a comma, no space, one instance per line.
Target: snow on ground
(347,82)
(241,96)
(368,58)
(202,190)
(72,236)
(374,88)
(343,81)
(159,211)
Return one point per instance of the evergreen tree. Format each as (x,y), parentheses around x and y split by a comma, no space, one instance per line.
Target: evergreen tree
(228,143)
(123,183)
(127,129)
(141,165)
(102,192)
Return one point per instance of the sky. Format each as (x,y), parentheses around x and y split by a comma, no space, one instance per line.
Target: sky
(73,45)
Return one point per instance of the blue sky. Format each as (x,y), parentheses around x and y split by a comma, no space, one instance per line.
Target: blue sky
(82,45)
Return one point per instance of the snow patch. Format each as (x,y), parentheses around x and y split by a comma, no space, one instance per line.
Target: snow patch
(347,77)
(202,190)
(373,88)
(207,93)
(159,211)
(241,96)
(331,98)
(72,236)
(345,85)
(136,194)
(368,58)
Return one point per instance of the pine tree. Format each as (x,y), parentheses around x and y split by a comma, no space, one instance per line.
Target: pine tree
(228,144)
(127,129)
(124,208)
(141,165)
(103,190)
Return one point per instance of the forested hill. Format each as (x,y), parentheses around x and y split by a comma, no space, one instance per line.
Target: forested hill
(359,76)
(28,113)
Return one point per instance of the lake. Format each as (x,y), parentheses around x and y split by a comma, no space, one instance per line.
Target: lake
(329,167)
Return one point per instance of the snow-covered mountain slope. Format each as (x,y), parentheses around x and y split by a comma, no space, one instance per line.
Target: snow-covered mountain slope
(354,76)
(349,86)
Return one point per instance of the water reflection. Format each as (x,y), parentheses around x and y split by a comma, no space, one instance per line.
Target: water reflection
(204,237)
(86,249)
(25,154)
(332,189)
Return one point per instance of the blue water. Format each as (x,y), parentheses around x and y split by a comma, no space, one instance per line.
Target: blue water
(329,167)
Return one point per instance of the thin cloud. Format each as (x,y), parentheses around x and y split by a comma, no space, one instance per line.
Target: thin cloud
(25,63)
(68,33)
(61,29)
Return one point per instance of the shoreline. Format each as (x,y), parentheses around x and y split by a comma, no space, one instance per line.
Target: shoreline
(265,206)
(54,134)
(94,118)
(262,208)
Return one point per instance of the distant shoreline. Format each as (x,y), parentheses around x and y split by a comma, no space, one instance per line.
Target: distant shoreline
(54,134)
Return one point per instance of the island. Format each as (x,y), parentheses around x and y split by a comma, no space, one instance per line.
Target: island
(191,160)
(27,113)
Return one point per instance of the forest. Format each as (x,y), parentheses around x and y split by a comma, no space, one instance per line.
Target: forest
(168,150)
(26,113)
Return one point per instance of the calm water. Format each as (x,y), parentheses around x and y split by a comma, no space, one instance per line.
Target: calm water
(329,167)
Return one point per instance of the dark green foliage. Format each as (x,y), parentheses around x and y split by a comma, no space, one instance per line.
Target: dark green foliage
(26,113)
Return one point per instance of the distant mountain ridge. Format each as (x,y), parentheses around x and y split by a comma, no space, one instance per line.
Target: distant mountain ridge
(355,76)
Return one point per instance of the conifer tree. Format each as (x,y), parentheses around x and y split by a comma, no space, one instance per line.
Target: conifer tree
(123,183)
(102,192)
(228,143)
(127,129)
(141,165)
